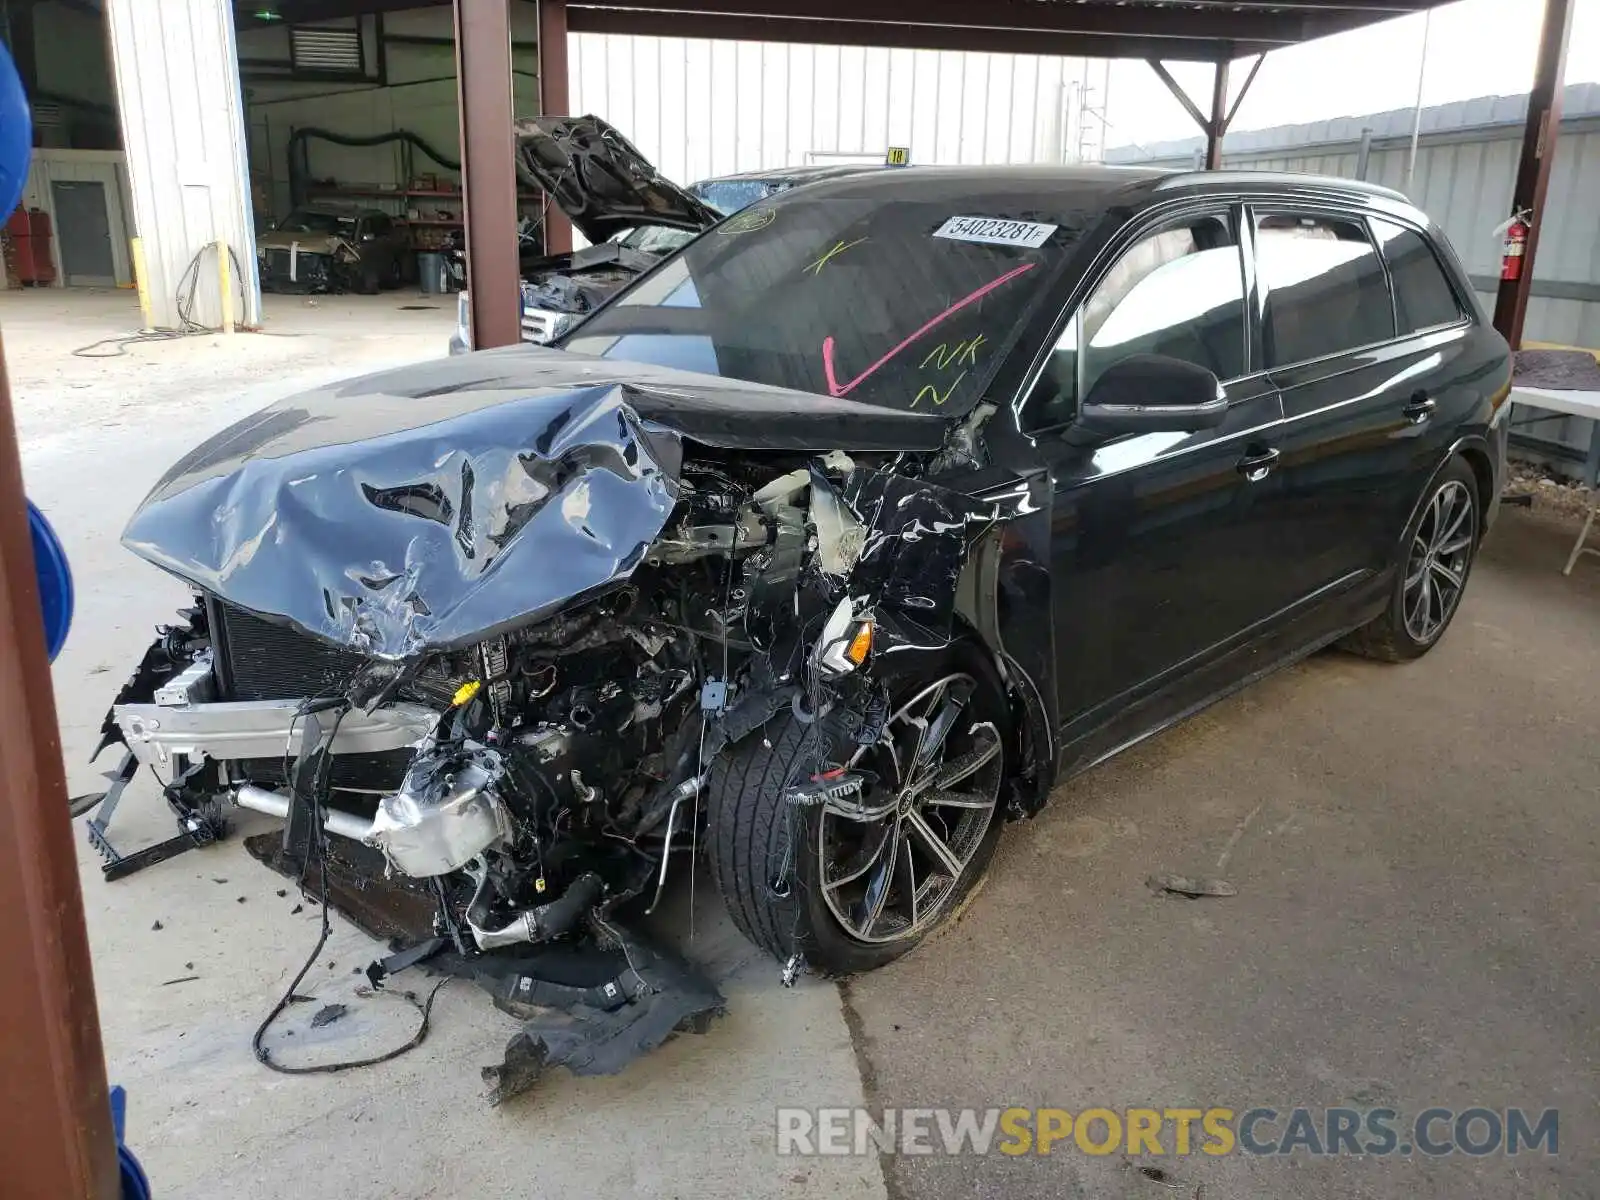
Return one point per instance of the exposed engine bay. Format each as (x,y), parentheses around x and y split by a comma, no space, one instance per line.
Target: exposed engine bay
(535,785)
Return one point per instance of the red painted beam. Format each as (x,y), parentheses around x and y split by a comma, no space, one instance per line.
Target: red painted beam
(554,101)
(1533,166)
(488,171)
(56,1139)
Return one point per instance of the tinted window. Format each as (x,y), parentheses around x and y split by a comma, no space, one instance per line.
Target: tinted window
(885,295)
(1325,287)
(1423,297)
(1179,292)
(377,226)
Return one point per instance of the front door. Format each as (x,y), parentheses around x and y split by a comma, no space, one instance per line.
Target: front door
(84,232)
(1158,559)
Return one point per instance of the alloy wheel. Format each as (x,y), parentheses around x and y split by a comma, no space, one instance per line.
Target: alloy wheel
(892,854)
(1436,569)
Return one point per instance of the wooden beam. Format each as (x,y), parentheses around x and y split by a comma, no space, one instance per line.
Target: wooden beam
(1176,89)
(488,171)
(1223,24)
(914,37)
(56,1139)
(1243,91)
(1218,125)
(554,101)
(1533,167)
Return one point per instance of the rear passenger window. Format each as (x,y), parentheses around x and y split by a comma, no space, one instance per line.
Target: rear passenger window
(1423,297)
(1324,284)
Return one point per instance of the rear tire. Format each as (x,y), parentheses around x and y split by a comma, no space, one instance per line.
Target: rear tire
(1435,560)
(784,868)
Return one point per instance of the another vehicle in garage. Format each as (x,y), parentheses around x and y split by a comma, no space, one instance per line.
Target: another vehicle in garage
(632,216)
(323,248)
(827,545)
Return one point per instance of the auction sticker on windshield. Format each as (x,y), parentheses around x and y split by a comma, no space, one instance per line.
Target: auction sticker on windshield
(995,231)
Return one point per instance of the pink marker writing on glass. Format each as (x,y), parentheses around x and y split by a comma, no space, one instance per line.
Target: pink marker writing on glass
(835,388)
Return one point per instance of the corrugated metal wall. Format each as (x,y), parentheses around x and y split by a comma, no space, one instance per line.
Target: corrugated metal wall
(700,108)
(183,131)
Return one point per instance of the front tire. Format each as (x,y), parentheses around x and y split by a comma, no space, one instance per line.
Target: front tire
(1436,558)
(854,882)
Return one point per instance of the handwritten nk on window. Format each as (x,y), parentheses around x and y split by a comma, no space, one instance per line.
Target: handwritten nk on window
(835,388)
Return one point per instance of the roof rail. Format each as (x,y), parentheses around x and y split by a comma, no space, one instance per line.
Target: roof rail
(1245,178)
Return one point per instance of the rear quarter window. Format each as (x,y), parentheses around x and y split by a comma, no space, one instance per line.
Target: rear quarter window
(1423,297)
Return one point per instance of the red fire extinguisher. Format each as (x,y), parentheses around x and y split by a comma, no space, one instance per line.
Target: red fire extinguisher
(1515,249)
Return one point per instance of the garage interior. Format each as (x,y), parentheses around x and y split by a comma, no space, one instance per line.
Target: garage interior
(345,106)
(362,69)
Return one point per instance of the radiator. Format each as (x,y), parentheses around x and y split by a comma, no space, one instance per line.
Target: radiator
(261,660)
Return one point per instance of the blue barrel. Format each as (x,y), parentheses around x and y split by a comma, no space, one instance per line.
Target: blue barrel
(16,136)
(55,580)
(135,1184)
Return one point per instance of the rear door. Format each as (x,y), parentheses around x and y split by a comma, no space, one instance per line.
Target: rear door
(1360,389)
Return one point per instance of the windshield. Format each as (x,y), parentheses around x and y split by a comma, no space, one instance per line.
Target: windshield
(730,195)
(653,239)
(908,302)
(304,221)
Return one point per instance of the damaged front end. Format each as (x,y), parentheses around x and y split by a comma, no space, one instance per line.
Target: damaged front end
(307,265)
(494,638)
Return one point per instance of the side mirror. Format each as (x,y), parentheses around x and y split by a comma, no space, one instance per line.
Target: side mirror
(1150,393)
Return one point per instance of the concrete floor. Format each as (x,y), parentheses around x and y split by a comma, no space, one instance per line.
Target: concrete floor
(1414,849)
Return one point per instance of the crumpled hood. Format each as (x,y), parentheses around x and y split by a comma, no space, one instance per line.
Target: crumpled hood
(442,503)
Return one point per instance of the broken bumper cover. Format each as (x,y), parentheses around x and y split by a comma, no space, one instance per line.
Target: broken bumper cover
(298,271)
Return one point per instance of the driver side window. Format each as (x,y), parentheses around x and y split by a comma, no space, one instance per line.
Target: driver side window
(1178,292)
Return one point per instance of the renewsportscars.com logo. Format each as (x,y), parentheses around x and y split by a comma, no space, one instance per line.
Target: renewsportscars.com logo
(1014,1131)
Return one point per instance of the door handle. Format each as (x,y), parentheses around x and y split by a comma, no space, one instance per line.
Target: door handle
(1420,407)
(1257,466)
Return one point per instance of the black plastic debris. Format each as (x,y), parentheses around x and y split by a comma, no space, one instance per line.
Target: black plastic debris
(328,1014)
(1191,886)
(588,1009)
(157,926)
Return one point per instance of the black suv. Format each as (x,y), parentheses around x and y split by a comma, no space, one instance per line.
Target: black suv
(832,540)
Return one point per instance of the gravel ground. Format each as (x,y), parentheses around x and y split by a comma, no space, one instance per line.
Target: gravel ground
(1554,496)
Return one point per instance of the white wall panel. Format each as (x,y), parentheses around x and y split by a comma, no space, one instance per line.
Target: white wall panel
(699,108)
(183,130)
